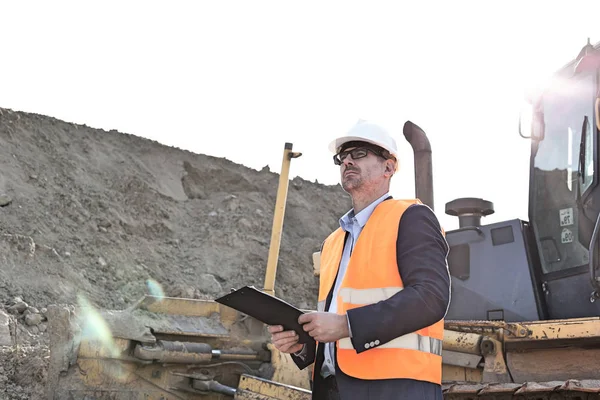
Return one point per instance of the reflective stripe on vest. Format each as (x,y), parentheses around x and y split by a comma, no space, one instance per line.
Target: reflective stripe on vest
(367,296)
(363,296)
(412,341)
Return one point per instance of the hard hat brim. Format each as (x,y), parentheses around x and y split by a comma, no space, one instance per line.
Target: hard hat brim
(335,144)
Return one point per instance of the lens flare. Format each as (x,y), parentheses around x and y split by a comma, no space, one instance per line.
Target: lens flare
(155,289)
(101,351)
(94,328)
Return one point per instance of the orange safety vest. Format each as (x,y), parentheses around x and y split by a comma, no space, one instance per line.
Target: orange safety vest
(372,276)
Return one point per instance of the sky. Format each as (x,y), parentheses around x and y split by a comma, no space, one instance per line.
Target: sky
(239,79)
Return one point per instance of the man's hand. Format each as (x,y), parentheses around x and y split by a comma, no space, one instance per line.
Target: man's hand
(285,341)
(325,327)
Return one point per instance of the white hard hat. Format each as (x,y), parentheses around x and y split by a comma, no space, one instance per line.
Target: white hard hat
(366,131)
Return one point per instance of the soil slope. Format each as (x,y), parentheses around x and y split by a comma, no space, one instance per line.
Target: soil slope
(113,216)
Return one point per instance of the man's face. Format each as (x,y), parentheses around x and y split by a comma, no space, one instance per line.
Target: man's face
(363,173)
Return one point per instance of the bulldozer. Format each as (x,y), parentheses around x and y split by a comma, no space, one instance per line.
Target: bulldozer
(523,320)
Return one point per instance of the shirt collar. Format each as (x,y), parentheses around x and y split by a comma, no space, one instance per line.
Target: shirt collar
(362,217)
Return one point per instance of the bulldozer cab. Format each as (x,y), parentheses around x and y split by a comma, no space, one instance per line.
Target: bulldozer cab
(531,287)
(544,268)
(564,195)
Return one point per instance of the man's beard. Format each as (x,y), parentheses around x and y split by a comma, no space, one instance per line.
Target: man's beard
(351,181)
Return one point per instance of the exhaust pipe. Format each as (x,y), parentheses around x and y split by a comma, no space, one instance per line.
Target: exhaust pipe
(423,167)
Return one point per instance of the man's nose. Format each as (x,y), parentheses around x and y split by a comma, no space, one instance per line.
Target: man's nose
(348,160)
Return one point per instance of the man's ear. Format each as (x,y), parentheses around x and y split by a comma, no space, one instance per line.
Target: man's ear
(390,167)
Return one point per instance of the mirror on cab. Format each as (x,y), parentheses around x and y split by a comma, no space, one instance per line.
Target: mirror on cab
(525,120)
(531,121)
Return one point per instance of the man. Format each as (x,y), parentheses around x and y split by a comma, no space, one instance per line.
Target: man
(384,287)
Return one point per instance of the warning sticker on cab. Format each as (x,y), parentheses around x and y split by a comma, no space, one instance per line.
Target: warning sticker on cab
(566,236)
(566,216)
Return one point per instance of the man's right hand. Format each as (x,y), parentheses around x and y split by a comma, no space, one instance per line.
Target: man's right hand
(285,341)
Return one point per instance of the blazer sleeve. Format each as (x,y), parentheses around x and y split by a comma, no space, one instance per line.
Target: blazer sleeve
(306,356)
(422,253)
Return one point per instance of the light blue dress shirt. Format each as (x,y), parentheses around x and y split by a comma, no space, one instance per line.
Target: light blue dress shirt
(353,224)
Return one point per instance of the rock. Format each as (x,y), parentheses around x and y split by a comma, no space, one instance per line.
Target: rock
(33,310)
(33,319)
(4,330)
(119,274)
(183,291)
(233,205)
(4,200)
(212,214)
(303,305)
(18,307)
(259,212)
(43,327)
(174,242)
(245,223)
(209,285)
(104,223)
(297,183)
(192,182)
(102,262)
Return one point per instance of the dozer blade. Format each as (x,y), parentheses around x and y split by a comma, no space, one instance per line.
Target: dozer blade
(162,348)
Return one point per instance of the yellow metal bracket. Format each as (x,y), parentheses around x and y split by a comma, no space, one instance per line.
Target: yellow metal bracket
(574,330)
(517,330)
(494,369)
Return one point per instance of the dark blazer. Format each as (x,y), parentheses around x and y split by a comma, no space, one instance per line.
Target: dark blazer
(422,262)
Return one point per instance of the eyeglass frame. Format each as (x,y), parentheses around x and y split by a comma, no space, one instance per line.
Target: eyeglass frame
(378,151)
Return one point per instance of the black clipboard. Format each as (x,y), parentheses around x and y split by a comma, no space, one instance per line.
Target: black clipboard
(268,309)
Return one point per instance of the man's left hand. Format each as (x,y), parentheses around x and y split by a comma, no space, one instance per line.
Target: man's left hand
(325,327)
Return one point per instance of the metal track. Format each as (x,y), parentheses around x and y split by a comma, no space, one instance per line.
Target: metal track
(555,390)
(586,330)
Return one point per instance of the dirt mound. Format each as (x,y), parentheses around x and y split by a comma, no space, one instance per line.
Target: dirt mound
(24,352)
(113,216)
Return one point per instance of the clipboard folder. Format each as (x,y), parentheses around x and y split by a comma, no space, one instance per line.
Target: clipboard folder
(268,309)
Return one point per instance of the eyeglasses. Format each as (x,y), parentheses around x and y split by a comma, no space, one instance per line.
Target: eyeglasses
(356,153)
